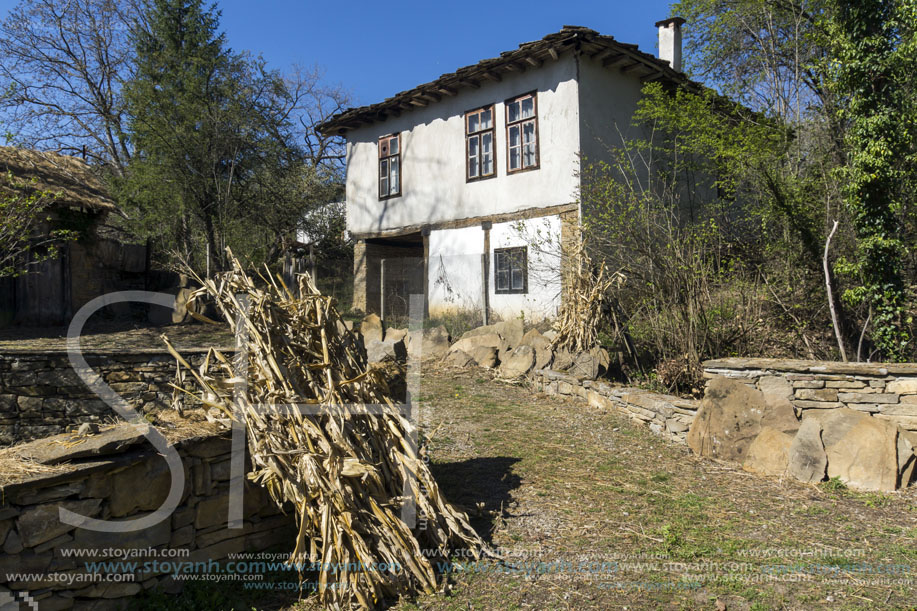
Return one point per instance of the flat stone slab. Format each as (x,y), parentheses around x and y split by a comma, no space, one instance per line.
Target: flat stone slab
(814,367)
(61,448)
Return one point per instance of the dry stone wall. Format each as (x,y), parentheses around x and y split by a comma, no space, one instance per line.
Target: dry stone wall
(665,415)
(887,391)
(41,394)
(36,542)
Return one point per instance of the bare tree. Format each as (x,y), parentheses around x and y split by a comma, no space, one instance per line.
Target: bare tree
(62,64)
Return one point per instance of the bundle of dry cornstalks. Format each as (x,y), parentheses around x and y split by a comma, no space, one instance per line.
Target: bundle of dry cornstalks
(586,290)
(325,434)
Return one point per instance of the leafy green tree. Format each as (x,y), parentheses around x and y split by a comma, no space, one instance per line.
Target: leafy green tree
(224,156)
(872,68)
(181,104)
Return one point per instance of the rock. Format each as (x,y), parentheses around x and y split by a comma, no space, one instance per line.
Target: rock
(563,360)
(518,362)
(836,422)
(469,342)
(458,358)
(778,386)
(866,457)
(13,544)
(542,347)
(731,416)
(768,454)
(5,526)
(435,342)
(88,428)
(396,335)
(371,328)
(141,487)
(902,386)
(675,426)
(807,458)
(485,356)
(590,364)
(378,351)
(550,335)
(512,331)
(180,308)
(153,536)
(113,441)
(42,522)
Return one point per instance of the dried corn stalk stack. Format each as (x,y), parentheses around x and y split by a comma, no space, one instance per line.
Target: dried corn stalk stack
(345,473)
(585,293)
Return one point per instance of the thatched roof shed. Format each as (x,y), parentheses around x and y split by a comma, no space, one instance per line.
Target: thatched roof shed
(72,181)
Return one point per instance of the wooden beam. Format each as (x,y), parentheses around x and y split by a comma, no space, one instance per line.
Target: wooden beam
(432,97)
(513,67)
(652,77)
(635,68)
(534,61)
(470,83)
(492,76)
(553,53)
(604,53)
(618,62)
(447,90)
(418,102)
(615,60)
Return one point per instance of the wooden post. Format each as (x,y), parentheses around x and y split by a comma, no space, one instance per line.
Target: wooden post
(485,270)
(382,289)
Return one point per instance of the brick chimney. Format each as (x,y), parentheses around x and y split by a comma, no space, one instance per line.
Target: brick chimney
(670,41)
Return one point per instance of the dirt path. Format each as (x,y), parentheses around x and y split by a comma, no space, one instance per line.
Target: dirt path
(598,513)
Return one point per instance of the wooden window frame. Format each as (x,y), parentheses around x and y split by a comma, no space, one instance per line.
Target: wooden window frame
(478,135)
(525,271)
(533,119)
(388,157)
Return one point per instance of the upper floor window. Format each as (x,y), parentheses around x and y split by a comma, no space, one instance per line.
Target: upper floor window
(511,274)
(389,166)
(479,143)
(522,133)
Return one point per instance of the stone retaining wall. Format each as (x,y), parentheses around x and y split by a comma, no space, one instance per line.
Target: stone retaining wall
(884,390)
(33,538)
(41,394)
(666,415)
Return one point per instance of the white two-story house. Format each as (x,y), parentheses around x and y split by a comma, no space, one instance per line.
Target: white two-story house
(463,188)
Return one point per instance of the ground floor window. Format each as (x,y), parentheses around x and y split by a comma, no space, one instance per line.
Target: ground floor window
(511,270)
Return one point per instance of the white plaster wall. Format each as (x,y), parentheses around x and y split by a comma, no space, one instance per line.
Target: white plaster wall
(608,99)
(454,270)
(542,237)
(433,156)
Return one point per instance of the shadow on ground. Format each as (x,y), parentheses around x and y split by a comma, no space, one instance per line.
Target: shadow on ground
(470,483)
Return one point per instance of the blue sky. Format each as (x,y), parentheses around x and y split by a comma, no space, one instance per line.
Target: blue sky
(376,49)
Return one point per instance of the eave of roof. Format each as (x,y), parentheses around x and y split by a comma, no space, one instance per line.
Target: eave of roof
(612,54)
(68,181)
